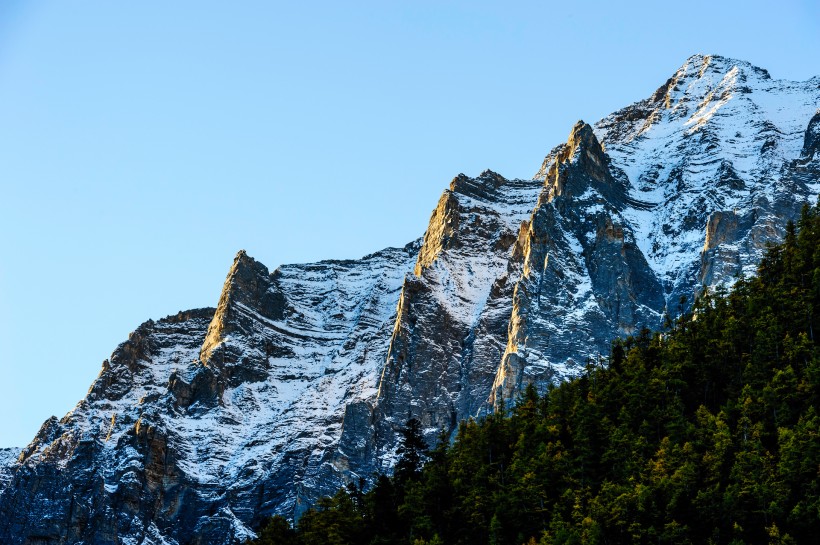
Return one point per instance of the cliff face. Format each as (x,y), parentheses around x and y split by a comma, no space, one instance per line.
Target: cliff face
(583,281)
(453,312)
(203,423)
(679,191)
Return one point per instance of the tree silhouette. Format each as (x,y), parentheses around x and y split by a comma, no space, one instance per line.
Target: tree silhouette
(412,452)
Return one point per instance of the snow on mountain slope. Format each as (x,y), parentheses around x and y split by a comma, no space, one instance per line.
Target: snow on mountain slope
(583,280)
(203,423)
(690,185)
(453,313)
(714,138)
(8,460)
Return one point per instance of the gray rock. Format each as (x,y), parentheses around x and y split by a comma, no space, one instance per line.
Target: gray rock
(203,423)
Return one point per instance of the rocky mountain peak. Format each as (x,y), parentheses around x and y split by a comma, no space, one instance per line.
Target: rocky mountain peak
(581,145)
(491,177)
(202,424)
(581,133)
(699,90)
(579,166)
(442,230)
(719,65)
(484,186)
(248,284)
(584,147)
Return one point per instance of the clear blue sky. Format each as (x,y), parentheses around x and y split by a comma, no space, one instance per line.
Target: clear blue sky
(143,143)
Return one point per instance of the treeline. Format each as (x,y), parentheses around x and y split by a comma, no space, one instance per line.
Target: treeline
(706,433)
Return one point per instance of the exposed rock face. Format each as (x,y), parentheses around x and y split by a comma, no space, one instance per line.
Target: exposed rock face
(583,281)
(112,469)
(8,461)
(453,312)
(811,143)
(694,183)
(203,423)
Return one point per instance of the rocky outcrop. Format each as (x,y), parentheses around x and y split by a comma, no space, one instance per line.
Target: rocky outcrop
(811,142)
(203,423)
(584,280)
(453,312)
(680,191)
(112,468)
(8,463)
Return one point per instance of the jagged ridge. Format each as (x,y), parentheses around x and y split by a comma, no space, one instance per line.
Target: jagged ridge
(202,423)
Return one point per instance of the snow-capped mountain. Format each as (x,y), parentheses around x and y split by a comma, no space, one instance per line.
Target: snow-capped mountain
(682,190)
(201,424)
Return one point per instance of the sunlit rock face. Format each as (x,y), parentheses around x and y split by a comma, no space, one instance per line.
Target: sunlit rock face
(679,191)
(454,310)
(203,423)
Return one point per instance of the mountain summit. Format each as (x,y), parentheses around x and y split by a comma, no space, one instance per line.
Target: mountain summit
(203,423)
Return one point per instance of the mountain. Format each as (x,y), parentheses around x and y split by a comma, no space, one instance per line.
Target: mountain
(705,432)
(203,423)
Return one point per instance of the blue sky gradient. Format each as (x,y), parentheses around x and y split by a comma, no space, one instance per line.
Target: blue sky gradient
(144,144)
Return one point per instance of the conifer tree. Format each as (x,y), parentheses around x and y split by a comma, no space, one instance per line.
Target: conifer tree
(412,452)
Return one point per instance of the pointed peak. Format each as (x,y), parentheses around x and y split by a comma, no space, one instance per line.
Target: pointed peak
(248,283)
(458,178)
(699,61)
(584,155)
(487,173)
(243,258)
(581,138)
(582,135)
(701,64)
(494,178)
(579,126)
(483,186)
(245,267)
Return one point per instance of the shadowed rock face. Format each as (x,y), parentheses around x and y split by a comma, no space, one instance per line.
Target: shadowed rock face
(454,311)
(811,143)
(112,468)
(584,280)
(203,423)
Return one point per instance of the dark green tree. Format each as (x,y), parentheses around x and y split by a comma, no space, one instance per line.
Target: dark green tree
(277,531)
(412,452)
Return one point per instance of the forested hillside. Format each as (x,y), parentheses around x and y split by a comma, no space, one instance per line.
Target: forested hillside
(706,432)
